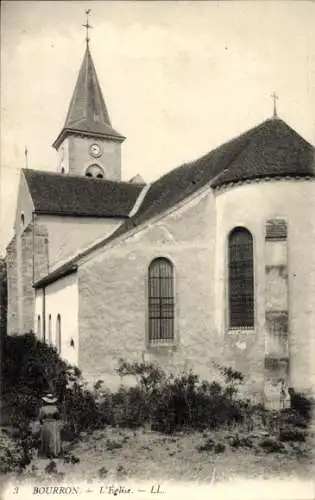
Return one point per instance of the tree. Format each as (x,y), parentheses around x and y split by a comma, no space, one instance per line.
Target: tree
(3,300)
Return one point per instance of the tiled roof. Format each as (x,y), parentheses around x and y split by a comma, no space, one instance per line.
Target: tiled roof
(272,149)
(54,193)
(87,112)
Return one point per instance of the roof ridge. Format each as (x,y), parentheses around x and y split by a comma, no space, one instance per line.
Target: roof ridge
(82,177)
(284,154)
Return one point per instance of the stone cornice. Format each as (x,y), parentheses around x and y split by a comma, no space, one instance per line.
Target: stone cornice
(260,180)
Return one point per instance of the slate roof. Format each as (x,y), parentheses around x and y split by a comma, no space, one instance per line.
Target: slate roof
(271,149)
(87,112)
(59,194)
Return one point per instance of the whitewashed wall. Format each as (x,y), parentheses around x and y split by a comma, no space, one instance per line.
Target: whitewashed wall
(69,235)
(61,298)
(251,205)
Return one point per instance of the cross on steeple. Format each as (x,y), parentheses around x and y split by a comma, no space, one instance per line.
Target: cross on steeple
(274,97)
(87,25)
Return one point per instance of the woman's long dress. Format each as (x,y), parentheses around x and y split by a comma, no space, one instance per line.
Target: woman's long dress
(50,431)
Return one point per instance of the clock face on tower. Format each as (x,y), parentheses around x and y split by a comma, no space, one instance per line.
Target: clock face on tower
(95,150)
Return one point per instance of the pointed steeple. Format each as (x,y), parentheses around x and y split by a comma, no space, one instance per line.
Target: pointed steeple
(87,112)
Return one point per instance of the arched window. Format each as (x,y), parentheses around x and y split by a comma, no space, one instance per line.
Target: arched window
(95,171)
(161,301)
(49,330)
(58,334)
(39,327)
(241,279)
(22,219)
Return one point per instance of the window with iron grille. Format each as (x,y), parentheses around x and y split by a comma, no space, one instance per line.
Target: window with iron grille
(161,301)
(241,279)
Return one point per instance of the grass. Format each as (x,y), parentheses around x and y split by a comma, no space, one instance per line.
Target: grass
(116,454)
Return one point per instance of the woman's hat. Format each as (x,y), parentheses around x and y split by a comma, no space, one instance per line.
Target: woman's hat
(49,398)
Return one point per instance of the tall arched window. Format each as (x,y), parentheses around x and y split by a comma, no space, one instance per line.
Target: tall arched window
(58,334)
(49,330)
(161,301)
(39,327)
(241,279)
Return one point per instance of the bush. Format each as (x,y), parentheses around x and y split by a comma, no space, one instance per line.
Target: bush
(301,404)
(29,369)
(185,402)
(29,363)
(290,417)
(219,448)
(207,446)
(169,403)
(271,445)
(11,454)
(291,435)
(244,442)
(80,411)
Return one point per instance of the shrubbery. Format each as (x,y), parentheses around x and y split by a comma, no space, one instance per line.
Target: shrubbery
(169,403)
(165,402)
(301,404)
(29,368)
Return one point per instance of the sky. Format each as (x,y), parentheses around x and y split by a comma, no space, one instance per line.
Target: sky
(179,78)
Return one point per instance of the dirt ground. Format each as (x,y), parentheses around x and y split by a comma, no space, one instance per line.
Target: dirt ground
(123,454)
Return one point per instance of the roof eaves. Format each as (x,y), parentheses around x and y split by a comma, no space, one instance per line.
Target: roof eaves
(258,177)
(135,225)
(67,130)
(63,271)
(75,214)
(72,265)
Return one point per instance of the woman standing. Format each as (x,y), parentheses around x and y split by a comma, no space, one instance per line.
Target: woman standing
(49,418)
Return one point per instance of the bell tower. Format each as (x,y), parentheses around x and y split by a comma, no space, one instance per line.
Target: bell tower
(88,145)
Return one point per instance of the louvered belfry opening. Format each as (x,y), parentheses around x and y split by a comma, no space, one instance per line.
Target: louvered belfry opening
(161,301)
(241,279)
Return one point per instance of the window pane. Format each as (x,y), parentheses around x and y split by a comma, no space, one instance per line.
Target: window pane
(161,300)
(241,279)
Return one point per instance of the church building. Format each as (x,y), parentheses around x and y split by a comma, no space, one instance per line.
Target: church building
(213,263)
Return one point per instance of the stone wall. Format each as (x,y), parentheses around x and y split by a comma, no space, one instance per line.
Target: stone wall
(27,258)
(41,250)
(277,321)
(79,158)
(12,283)
(113,296)
(26,277)
(24,207)
(113,288)
(69,235)
(284,271)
